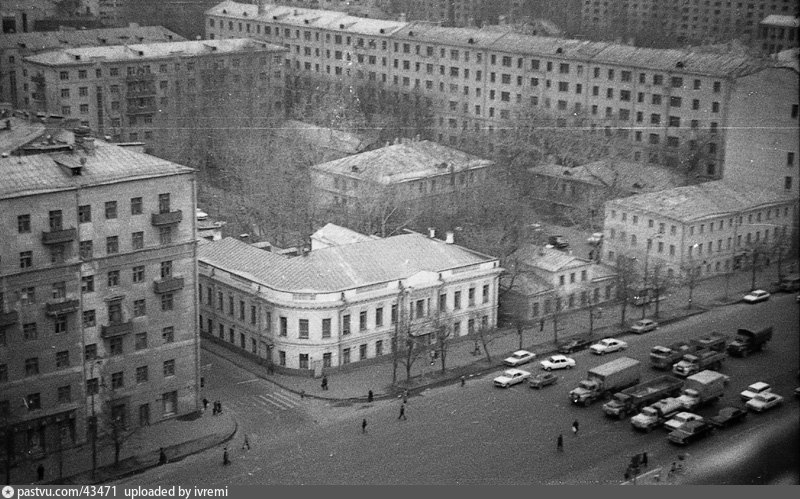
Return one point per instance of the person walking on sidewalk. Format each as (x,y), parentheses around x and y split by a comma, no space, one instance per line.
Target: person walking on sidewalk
(364,425)
(246,443)
(560,442)
(402,412)
(162,456)
(324,383)
(205,404)
(463,380)
(225,460)
(369,396)
(575,427)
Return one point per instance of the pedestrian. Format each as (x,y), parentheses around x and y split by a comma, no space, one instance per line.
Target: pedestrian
(40,473)
(302,394)
(402,412)
(205,403)
(369,396)
(463,380)
(644,458)
(560,442)
(162,456)
(364,425)
(324,383)
(541,324)
(575,427)
(225,460)
(214,408)
(246,443)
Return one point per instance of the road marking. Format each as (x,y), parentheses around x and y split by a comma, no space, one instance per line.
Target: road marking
(280,405)
(248,381)
(285,397)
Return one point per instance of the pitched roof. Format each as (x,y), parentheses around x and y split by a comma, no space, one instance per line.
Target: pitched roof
(629,176)
(41,173)
(547,259)
(783,21)
(21,132)
(405,161)
(696,202)
(326,138)
(339,268)
(45,40)
(334,235)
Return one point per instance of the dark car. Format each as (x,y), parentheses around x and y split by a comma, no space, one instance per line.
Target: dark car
(574,345)
(542,379)
(558,242)
(690,431)
(728,416)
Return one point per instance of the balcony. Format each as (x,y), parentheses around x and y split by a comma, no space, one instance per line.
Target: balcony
(9,318)
(61,307)
(171,217)
(59,236)
(168,285)
(116,329)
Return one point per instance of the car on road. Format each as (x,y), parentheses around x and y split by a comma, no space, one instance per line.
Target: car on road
(511,377)
(643,326)
(756,296)
(680,419)
(557,362)
(542,379)
(574,345)
(764,401)
(754,389)
(595,238)
(728,416)
(608,345)
(518,358)
(690,431)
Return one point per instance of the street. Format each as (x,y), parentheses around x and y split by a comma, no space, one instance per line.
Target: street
(479,434)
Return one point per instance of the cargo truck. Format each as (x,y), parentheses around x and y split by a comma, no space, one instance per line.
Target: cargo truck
(747,341)
(664,357)
(714,341)
(631,400)
(697,361)
(656,414)
(607,378)
(702,388)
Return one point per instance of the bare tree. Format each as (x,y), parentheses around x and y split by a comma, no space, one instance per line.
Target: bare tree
(114,429)
(442,335)
(627,276)
(558,308)
(660,283)
(690,272)
(485,333)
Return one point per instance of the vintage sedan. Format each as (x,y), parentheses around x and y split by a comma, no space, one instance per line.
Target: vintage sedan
(680,419)
(764,401)
(511,377)
(557,362)
(728,416)
(574,345)
(608,345)
(643,326)
(689,432)
(754,389)
(756,296)
(542,379)
(518,358)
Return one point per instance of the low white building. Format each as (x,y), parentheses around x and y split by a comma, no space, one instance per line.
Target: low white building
(341,303)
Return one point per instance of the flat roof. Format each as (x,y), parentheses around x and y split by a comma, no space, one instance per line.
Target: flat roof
(781,21)
(44,40)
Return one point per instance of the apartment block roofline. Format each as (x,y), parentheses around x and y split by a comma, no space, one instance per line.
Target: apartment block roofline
(43,40)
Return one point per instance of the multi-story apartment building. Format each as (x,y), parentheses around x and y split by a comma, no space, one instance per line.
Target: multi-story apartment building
(409,170)
(666,102)
(97,297)
(343,303)
(14,82)
(777,33)
(763,146)
(127,92)
(709,227)
(680,21)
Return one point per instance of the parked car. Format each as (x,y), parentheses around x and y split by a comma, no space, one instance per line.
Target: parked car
(557,362)
(754,389)
(643,326)
(200,214)
(574,345)
(756,296)
(728,416)
(518,358)
(690,431)
(764,401)
(595,238)
(542,379)
(558,241)
(511,377)
(608,345)
(681,418)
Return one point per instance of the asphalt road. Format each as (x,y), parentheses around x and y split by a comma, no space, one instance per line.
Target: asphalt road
(479,434)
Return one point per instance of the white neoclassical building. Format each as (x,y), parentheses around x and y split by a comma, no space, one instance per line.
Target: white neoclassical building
(340,303)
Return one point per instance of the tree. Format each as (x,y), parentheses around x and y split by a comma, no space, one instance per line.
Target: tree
(558,308)
(690,272)
(627,276)
(485,333)
(660,283)
(442,334)
(113,429)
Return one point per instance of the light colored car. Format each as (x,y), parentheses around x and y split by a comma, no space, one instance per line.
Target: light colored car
(608,345)
(557,362)
(754,389)
(200,214)
(680,418)
(518,358)
(643,326)
(511,377)
(595,238)
(756,296)
(764,401)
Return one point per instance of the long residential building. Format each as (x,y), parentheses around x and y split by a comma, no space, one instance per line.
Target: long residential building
(14,47)
(97,299)
(128,92)
(345,301)
(666,102)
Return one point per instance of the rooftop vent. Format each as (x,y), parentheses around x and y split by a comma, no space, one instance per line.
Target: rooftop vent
(354,168)
(431,232)
(449,237)
(382,30)
(559,50)
(244,14)
(275,18)
(471,41)
(341,26)
(679,64)
(224,11)
(22,45)
(443,164)
(305,21)
(410,33)
(8,125)
(77,57)
(141,53)
(567,172)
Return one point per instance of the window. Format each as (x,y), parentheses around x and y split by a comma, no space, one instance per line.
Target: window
(169,368)
(394,314)
(166,271)
(33,401)
(25,259)
(24,224)
(485,293)
(64,394)
(170,403)
(112,245)
(168,334)
(87,284)
(164,203)
(113,278)
(326,328)
(89,318)
(379,317)
(284,326)
(142,374)
(676,82)
(303,328)
(138,273)
(137,240)
(139,308)
(62,358)
(167,301)
(140,342)
(111,209)
(115,346)
(84,214)
(136,206)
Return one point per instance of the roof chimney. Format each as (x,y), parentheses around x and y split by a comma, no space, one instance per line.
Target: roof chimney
(88,145)
(431,232)
(449,237)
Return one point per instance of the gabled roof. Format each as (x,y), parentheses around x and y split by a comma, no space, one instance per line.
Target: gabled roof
(45,40)
(338,268)
(325,138)
(547,259)
(334,235)
(21,132)
(623,175)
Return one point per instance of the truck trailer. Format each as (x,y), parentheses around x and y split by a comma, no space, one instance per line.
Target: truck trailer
(631,400)
(607,378)
(703,388)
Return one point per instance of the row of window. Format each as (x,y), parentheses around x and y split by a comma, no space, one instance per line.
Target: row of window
(768,214)
(555,305)
(748,238)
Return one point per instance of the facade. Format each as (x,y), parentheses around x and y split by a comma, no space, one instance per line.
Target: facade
(684,22)
(97,297)
(128,92)
(479,80)
(547,281)
(14,82)
(407,170)
(344,303)
(709,227)
(763,146)
(778,32)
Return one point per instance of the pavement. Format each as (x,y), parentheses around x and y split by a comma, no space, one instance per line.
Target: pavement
(186,436)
